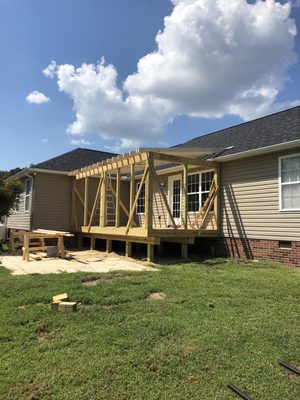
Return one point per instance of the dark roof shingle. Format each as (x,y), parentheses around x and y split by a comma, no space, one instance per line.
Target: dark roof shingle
(74,159)
(282,127)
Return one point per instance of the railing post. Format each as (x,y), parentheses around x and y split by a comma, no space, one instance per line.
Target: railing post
(132,188)
(118,186)
(149,196)
(103,201)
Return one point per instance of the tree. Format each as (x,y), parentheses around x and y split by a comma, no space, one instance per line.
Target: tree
(6,174)
(9,192)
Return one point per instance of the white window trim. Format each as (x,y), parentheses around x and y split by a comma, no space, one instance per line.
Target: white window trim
(280,184)
(27,195)
(136,207)
(200,185)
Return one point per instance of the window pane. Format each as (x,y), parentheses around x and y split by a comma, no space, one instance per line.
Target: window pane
(290,169)
(27,203)
(193,202)
(28,186)
(176,198)
(291,196)
(140,208)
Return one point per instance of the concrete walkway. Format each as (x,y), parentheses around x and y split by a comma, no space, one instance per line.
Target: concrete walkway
(84,261)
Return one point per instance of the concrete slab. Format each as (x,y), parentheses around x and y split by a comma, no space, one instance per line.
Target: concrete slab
(82,261)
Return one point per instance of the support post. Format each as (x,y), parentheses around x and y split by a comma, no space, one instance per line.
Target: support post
(86,201)
(149,196)
(185,196)
(118,187)
(93,243)
(108,245)
(128,249)
(103,201)
(184,250)
(132,188)
(150,252)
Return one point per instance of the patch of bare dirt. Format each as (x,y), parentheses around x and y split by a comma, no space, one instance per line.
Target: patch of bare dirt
(156,296)
(94,280)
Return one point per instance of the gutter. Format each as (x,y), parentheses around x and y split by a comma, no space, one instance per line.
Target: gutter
(27,171)
(262,150)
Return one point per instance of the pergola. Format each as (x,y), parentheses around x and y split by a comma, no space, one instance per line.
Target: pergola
(144,166)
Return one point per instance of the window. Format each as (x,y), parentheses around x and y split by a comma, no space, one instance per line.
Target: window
(206,180)
(176,198)
(289,179)
(198,188)
(17,207)
(193,192)
(27,194)
(140,207)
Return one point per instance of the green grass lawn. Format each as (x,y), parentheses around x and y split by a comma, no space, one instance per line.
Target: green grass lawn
(220,322)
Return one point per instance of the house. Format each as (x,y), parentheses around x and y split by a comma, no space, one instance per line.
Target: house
(237,190)
(45,201)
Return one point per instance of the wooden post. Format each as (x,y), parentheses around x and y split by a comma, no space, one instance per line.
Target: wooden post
(26,247)
(103,201)
(128,249)
(86,201)
(108,245)
(118,187)
(150,252)
(185,196)
(93,242)
(184,250)
(61,247)
(149,196)
(132,188)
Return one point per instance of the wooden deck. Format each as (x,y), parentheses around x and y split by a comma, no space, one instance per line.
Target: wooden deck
(142,168)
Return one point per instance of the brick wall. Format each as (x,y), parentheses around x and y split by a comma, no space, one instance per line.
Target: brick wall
(258,249)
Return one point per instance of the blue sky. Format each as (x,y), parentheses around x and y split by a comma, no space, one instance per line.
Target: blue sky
(73,32)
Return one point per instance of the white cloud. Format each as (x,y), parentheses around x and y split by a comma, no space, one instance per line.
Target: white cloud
(45,140)
(80,142)
(49,71)
(213,58)
(36,97)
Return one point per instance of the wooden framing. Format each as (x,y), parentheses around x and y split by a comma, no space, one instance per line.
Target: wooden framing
(142,167)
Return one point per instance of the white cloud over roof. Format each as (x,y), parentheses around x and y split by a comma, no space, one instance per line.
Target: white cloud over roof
(213,58)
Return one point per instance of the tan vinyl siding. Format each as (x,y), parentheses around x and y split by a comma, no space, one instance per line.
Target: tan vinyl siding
(52,202)
(20,219)
(250,200)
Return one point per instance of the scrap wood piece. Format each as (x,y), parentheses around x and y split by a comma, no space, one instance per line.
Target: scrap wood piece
(68,306)
(60,297)
(52,232)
